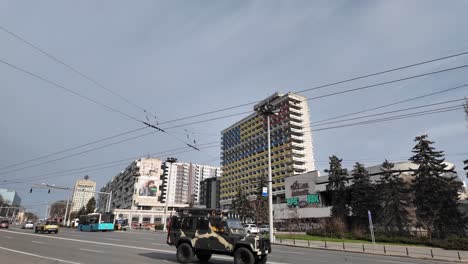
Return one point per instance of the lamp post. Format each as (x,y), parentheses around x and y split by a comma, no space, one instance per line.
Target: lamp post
(268,110)
(170,161)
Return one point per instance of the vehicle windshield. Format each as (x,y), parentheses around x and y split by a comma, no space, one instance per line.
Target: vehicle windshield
(51,223)
(235,226)
(4,221)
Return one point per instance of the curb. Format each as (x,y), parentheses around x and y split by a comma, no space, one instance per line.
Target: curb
(371,253)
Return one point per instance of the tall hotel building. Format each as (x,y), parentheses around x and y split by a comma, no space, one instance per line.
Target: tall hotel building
(244,150)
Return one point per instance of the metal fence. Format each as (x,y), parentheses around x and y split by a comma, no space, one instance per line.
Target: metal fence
(391,250)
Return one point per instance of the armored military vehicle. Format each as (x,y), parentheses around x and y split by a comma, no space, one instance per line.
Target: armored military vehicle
(203,232)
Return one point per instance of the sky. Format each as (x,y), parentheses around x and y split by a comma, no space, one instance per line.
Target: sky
(176,59)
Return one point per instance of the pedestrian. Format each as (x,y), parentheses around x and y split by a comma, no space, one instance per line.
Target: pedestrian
(140,225)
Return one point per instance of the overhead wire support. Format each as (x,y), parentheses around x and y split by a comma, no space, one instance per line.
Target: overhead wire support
(155,127)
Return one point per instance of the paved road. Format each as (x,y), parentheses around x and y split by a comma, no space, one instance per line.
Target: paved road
(70,246)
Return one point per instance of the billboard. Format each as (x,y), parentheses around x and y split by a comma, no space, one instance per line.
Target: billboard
(148,186)
(300,191)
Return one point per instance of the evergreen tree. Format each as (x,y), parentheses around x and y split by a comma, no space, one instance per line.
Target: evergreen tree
(241,205)
(82,211)
(336,188)
(435,191)
(362,196)
(91,206)
(395,199)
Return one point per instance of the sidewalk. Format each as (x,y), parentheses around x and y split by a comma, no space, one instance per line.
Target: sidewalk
(380,249)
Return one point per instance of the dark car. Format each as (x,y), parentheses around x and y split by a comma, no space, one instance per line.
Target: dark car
(203,232)
(4,224)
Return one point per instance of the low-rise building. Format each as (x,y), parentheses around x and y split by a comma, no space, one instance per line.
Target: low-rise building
(306,195)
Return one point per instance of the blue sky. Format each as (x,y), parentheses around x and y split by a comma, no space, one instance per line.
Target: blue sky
(179,58)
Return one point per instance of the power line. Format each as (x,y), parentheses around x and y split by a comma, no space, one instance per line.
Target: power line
(355,89)
(329,84)
(78,153)
(99,166)
(70,91)
(429,112)
(48,54)
(73,148)
(387,82)
(391,112)
(391,104)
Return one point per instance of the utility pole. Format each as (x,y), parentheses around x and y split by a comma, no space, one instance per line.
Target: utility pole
(268,110)
(170,161)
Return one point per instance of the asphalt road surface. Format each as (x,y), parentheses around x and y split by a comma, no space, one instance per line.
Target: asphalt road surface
(70,246)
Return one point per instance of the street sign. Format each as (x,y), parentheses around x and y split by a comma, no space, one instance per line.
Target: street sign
(264,191)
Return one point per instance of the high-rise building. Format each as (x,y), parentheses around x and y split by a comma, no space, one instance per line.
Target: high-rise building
(10,197)
(244,151)
(185,181)
(83,192)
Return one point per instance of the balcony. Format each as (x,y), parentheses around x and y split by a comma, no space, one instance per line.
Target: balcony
(296,138)
(297,131)
(299,146)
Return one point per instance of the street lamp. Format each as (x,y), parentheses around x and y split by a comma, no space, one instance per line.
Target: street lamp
(268,110)
(171,161)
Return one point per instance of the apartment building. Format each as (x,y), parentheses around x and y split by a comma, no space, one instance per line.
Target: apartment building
(185,181)
(84,190)
(244,150)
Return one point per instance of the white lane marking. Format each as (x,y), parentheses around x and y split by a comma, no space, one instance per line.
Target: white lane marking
(38,242)
(289,252)
(38,256)
(116,245)
(76,235)
(144,238)
(91,250)
(7,237)
(114,239)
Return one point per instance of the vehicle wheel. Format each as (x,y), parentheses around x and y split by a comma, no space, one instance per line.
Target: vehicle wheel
(204,256)
(35,230)
(243,256)
(56,231)
(262,260)
(49,231)
(184,253)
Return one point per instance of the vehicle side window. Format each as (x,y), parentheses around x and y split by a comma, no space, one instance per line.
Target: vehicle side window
(217,225)
(187,223)
(175,223)
(202,224)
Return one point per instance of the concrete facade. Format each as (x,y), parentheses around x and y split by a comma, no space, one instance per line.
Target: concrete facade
(209,192)
(244,151)
(83,192)
(185,181)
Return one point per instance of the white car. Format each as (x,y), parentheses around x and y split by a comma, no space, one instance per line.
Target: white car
(265,229)
(28,225)
(251,228)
